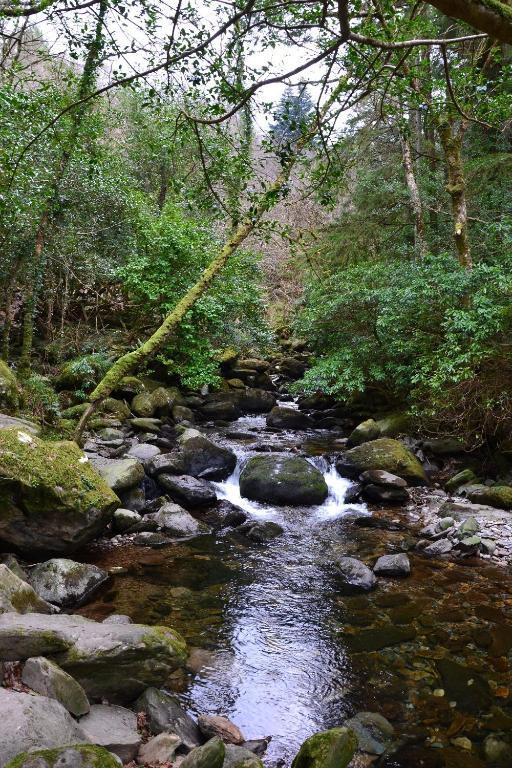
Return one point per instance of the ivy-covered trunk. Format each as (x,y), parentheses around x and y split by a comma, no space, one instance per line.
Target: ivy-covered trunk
(451,138)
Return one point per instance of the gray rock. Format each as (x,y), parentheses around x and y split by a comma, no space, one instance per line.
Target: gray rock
(147,425)
(48,679)
(13,565)
(81,756)
(143,452)
(188,490)
(393,565)
(65,582)
(469,527)
(221,409)
(168,463)
(224,515)
(34,722)
(114,728)
(7,422)
(240,757)
(374,732)
(261,531)
(380,477)
(216,725)
(385,495)
(181,413)
(119,474)
(159,749)
(367,430)
(164,713)
(254,400)
(284,480)
(115,661)
(17,595)
(438,548)
(125,519)
(175,521)
(461,510)
(210,755)
(117,618)
(356,576)
(281,417)
(203,459)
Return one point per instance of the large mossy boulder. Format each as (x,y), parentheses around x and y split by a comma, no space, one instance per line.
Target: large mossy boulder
(79,756)
(286,480)
(113,661)
(329,749)
(499,496)
(364,432)
(384,453)
(210,755)
(16,595)
(51,498)
(9,392)
(119,474)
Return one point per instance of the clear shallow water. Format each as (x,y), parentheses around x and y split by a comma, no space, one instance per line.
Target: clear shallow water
(276,637)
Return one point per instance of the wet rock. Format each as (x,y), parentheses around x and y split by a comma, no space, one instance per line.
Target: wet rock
(215,725)
(187,490)
(16,595)
(444,446)
(81,756)
(147,425)
(143,452)
(498,750)
(164,713)
(203,459)
(257,746)
(465,686)
(240,757)
(221,409)
(328,749)
(168,463)
(181,413)
(115,661)
(256,400)
(356,577)
(281,417)
(114,728)
(260,532)
(393,565)
(364,432)
(34,722)
(382,478)
(51,498)
(48,679)
(499,496)
(465,477)
(374,733)
(151,539)
(225,515)
(125,519)
(159,749)
(210,755)
(469,527)
(384,453)
(377,639)
(65,582)
(282,480)
(382,495)
(439,548)
(119,474)
(173,520)
(353,493)
(462,510)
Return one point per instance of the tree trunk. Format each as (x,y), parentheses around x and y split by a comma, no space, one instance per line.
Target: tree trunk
(414,194)
(451,142)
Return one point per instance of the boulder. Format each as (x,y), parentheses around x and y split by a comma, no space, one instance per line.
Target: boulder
(254,400)
(394,424)
(444,446)
(254,364)
(16,595)
(48,679)
(114,728)
(146,424)
(210,755)
(222,409)
(240,757)
(385,479)
(116,661)
(281,417)
(181,413)
(292,367)
(143,405)
(81,756)
(125,519)
(203,459)
(464,477)
(143,452)
(65,582)
(374,733)
(116,408)
(173,520)
(329,749)
(356,577)
(281,479)
(224,515)
(168,463)
(216,725)
(260,531)
(9,393)
(499,496)
(438,548)
(187,490)
(393,565)
(384,453)
(51,498)
(364,432)
(9,422)
(128,387)
(159,749)
(119,474)
(34,722)
(462,684)
(164,713)
(381,494)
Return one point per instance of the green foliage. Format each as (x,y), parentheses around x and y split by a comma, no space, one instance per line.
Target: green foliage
(40,399)
(83,373)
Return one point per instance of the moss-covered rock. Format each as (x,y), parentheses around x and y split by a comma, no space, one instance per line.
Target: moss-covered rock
(384,453)
(282,480)
(142,405)
(364,432)
(210,755)
(78,756)
(8,422)
(116,408)
(74,411)
(51,498)
(16,595)
(499,496)
(394,424)
(120,474)
(464,477)
(9,392)
(329,749)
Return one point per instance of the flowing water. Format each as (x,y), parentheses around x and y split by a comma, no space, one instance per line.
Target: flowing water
(282,654)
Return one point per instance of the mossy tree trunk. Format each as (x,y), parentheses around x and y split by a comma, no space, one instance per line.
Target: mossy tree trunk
(415,197)
(451,138)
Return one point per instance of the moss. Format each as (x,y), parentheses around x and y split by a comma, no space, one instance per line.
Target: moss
(328,749)
(157,636)
(389,455)
(9,393)
(92,757)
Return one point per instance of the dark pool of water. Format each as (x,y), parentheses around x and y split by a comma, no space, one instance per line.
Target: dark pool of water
(285,655)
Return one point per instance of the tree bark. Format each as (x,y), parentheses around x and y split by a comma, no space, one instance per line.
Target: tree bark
(490,16)
(451,141)
(414,194)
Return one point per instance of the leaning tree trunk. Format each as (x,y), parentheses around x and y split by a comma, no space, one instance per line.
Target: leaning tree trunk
(127,363)
(451,142)
(52,200)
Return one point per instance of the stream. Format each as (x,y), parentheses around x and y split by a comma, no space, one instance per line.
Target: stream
(278,650)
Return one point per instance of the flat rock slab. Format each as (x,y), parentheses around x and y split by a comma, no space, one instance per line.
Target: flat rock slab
(376,639)
(28,722)
(114,728)
(65,582)
(48,679)
(115,661)
(159,749)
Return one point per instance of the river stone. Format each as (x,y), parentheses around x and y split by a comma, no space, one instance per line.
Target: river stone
(224,515)
(28,722)
(328,749)
(173,520)
(282,480)
(240,757)
(210,755)
(9,422)
(164,713)
(65,582)
(216,725)
(356,576)
(51,498)
(116,661)
(499,496)
(470,690)
(187,490)
(281,417)
(393,565)
(125,519)
(203,459)
(384,453)
(464,477)
(255,364)
(260,531)
(120,474)
(223,410)
(143,452)
(363,433)
(374,733)
(146,424)
(48,679)
(256,400)
(368,640)
(17,595)
(181,413)
(384,495)
(143,405)
(81,756)
(385,479)
(438,548)
(159,749)
(114,728)
(168,463)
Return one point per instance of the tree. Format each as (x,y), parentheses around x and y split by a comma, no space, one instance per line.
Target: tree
(294,112)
